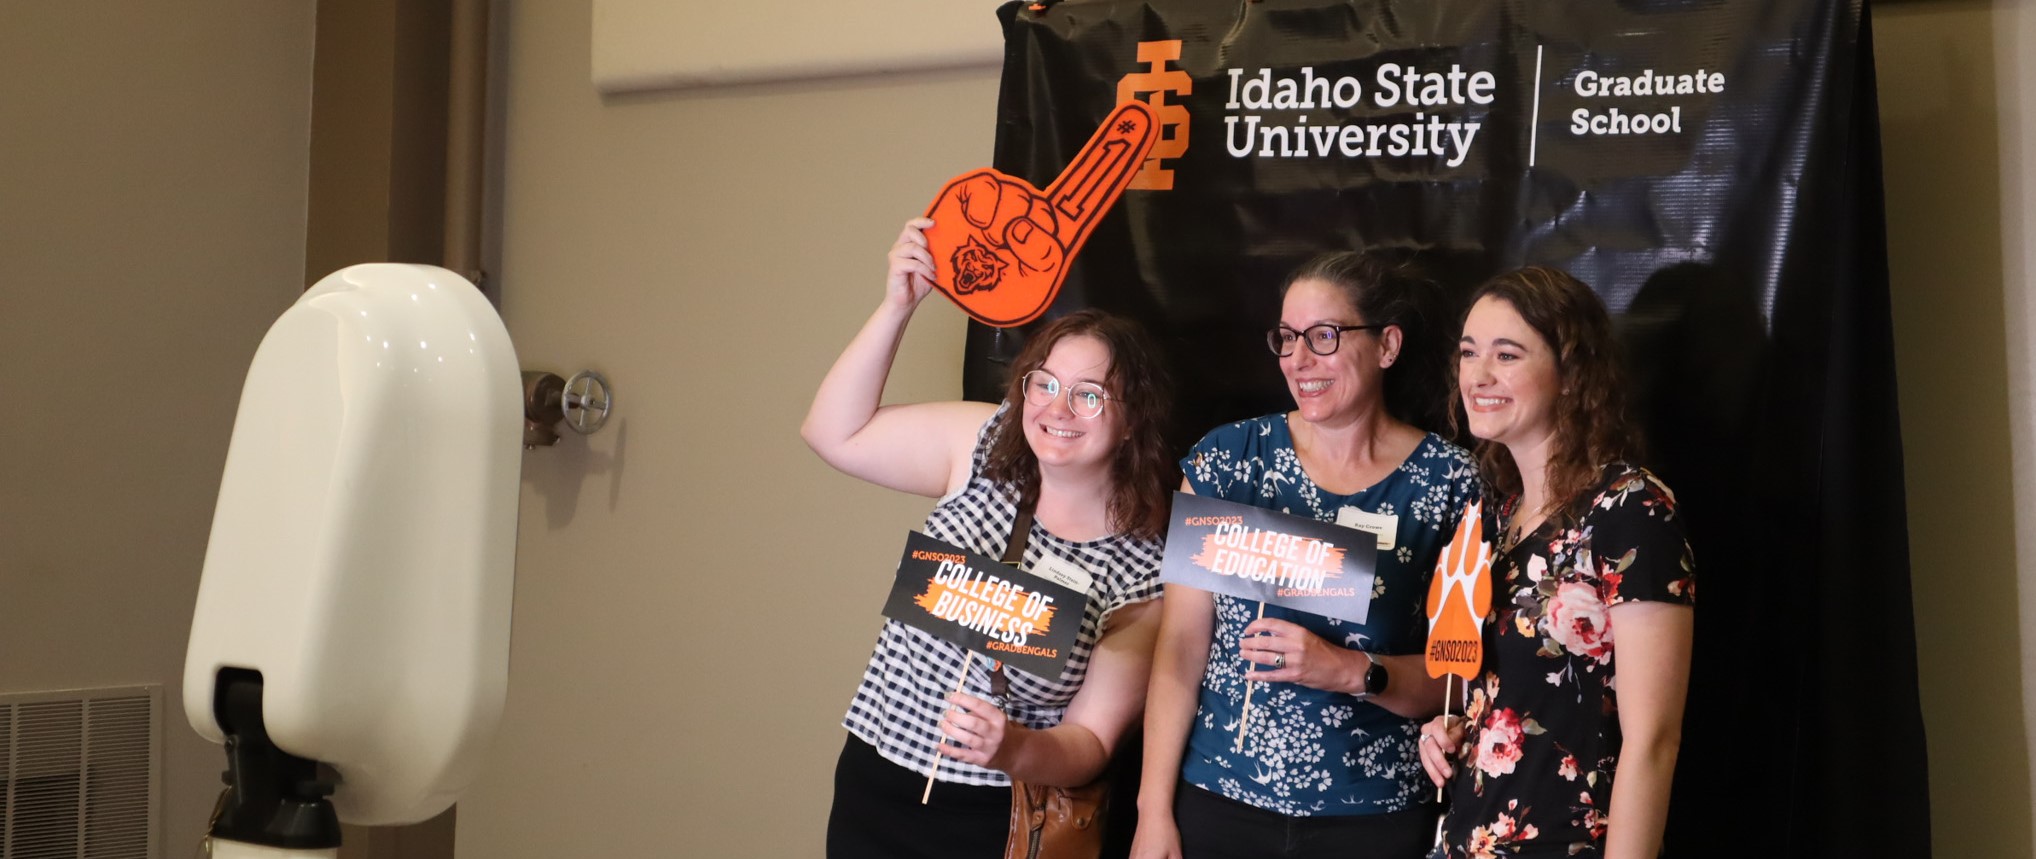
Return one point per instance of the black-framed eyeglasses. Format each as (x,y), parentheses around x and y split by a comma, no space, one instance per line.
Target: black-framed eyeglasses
(1085,399)
(1322,339)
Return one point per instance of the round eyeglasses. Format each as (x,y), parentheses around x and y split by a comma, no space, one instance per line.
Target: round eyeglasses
(1322,339)
(1085,399)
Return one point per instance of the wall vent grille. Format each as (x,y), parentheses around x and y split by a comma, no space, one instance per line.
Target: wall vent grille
(78,774)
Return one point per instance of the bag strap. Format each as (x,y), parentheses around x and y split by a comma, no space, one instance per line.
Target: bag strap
(1021,534)
(1014,554)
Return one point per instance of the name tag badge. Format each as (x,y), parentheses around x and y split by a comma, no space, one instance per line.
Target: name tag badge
(1063,572)
(1386,528)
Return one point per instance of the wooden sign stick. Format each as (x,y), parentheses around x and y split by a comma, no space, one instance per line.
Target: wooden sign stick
(1244,717)
(927,795)
(1448,684)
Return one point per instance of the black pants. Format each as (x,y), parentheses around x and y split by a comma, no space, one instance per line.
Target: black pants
(1213,827)
(877,814)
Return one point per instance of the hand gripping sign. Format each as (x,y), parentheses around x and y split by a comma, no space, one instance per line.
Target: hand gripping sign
(984,606)
(1001,247)
(1271,557)
(1459,597)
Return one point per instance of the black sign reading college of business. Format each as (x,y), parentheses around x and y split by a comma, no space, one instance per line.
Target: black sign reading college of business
(985,605)
(1258,554)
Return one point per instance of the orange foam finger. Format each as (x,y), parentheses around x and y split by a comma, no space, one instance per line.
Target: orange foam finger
(1001,247)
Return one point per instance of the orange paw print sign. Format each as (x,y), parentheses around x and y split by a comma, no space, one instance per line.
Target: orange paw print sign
(1001,247)
(1459,597)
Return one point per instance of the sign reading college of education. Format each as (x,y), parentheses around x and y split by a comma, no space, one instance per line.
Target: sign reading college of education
(1268,556)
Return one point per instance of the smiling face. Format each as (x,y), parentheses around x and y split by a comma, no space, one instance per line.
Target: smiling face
(1507,376)
(1059,437)
(1334,389)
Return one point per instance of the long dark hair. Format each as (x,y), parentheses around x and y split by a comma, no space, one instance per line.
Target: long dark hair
(1395,293)
(1142,474)
(1592,429)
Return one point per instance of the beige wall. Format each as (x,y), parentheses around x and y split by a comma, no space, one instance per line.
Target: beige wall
(152,174)
(1956,133)
(2014,29)
(696,593)
(378,142)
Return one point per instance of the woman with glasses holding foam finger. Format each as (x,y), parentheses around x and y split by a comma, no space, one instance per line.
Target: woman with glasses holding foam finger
(1077,441)
(1327,764)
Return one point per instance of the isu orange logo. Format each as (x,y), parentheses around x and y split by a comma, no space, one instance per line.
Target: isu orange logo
(1152,86)
(1459,597)
(1001,247)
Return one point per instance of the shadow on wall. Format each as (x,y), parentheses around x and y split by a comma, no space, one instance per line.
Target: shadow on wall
(560,472)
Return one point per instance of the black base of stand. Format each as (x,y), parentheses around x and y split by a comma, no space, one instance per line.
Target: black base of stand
(272,798)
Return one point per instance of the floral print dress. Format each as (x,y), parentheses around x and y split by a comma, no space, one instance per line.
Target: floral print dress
(1534,774)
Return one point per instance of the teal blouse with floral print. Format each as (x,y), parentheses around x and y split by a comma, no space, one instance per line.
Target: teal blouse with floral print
(1306,751)
(1534,775)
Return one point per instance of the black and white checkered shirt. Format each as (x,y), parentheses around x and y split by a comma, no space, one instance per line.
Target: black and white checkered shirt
(903,694)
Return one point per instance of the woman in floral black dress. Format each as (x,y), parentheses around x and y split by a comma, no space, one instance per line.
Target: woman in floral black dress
(1549,759)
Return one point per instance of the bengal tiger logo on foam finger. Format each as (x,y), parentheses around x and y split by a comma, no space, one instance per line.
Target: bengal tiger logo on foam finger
(975,267)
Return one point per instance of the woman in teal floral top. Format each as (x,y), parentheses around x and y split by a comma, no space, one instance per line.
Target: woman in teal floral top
(1326,765)
(1571,731)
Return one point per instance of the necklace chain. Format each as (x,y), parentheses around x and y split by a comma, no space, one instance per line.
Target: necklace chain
(1515,531)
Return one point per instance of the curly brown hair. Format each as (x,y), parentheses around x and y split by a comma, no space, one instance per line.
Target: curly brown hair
(1142,474)
(1591,426)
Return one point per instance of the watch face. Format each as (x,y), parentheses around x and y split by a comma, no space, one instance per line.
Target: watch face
(1375,679)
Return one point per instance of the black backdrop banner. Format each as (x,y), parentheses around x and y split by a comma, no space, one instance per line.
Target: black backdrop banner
(1712,169)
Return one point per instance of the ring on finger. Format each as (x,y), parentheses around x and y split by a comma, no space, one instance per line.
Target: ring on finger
(1279,660)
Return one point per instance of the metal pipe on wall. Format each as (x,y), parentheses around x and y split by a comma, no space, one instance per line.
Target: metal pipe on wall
(465,140)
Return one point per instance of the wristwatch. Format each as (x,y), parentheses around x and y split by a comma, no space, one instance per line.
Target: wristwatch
(1375,678)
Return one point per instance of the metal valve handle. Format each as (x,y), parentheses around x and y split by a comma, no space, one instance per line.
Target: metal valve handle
(587,401)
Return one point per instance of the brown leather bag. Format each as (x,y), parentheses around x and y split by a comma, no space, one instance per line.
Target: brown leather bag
(1049,822)
(1057,822)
